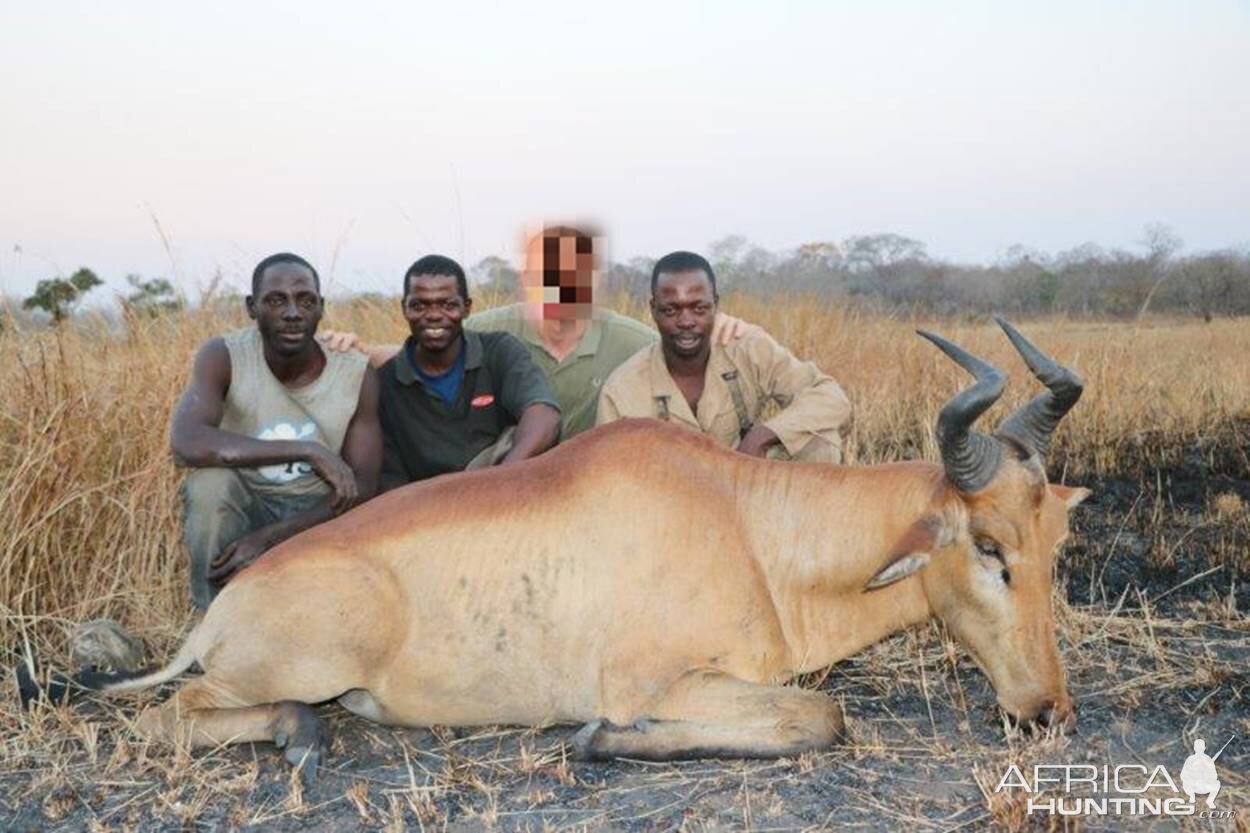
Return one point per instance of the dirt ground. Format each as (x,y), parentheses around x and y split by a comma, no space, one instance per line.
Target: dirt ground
(1155,634)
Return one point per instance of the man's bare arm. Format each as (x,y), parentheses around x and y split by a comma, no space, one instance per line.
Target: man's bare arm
(537,431)
(362,450)
(197,441)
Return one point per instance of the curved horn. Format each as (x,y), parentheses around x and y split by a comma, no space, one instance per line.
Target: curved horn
(971,458)
(1033,424)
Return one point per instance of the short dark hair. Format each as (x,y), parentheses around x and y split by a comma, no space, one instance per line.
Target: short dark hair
(674,262)
(438,265)
(274,260)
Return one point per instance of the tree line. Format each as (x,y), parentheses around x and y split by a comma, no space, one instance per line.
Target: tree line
(894,273)
(885,272)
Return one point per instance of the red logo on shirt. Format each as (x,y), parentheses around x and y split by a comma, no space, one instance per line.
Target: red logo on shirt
(483,400)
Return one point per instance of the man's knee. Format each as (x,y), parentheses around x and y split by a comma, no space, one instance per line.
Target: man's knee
(208,488)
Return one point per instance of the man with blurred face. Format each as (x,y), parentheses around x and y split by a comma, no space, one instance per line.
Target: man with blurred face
(454,399)
(280,434)
(722,390)
(573,341)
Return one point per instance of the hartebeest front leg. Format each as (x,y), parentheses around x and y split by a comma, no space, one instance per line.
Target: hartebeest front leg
(710,715)
(203,714)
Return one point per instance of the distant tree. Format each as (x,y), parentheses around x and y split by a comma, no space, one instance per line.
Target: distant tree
(496,275)
(633,277)
(57,296)
(1209,283)
(880,251)
(724,255)
(151,297)
(884,259)
(726,250)
(1161,242)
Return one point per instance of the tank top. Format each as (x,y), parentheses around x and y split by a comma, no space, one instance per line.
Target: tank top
(260,406)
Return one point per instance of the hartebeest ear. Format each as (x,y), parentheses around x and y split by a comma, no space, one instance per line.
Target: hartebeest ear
(1070,495)
(898,569)
(911,552)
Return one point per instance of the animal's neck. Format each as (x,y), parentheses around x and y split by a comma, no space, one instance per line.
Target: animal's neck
(820,533)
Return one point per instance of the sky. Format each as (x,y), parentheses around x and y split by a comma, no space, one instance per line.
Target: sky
(182,140)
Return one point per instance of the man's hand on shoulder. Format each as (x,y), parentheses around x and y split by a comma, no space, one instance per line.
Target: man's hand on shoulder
(727,328)
(342,341)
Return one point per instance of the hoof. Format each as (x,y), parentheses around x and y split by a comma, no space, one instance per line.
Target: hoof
(583,741)
(300,735)
(306,760)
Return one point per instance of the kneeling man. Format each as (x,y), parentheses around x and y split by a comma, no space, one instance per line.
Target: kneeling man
(281,434)
(722,390)
(454,399)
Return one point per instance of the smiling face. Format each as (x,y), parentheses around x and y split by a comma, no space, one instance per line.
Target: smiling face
(684,309)
(992,587)
(435,311)
(287,308)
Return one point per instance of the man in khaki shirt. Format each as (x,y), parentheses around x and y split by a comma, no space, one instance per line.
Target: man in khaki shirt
(722,390)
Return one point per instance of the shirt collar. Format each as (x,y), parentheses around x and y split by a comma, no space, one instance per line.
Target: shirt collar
(588,346)
(405,373)
(662,383)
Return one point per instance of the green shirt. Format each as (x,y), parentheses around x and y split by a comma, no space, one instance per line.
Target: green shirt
(610,339)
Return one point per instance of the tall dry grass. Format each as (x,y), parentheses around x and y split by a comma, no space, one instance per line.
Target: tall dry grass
(89,508)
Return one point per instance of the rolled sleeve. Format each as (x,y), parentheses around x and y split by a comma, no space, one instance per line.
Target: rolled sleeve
(813,404)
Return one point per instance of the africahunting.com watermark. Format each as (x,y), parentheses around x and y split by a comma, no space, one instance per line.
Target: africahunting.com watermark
(1122,789)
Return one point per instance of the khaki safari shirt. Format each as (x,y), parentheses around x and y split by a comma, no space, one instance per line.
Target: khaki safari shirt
(610,339)
(815,413)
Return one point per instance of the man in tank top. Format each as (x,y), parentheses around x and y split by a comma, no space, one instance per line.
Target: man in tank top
(280,434)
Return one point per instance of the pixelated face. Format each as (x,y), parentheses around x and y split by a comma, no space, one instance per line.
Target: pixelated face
(559,274)
(684,308)
(287,308)
(435,311)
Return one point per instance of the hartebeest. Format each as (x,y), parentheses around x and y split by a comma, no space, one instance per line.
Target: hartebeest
(646,582)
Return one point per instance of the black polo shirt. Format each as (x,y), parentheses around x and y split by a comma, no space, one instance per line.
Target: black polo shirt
(424,436)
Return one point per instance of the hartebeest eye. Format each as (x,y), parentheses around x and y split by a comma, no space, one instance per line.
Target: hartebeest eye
(989,548)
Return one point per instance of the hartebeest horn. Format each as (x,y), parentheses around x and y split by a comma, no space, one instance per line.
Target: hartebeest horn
(1033,424)
(971,458)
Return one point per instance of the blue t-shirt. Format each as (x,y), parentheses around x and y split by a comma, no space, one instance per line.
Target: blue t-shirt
(445,384)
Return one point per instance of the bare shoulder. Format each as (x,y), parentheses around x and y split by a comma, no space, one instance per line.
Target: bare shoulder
(212,361)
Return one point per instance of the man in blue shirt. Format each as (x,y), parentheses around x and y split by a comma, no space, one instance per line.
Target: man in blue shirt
(452,398)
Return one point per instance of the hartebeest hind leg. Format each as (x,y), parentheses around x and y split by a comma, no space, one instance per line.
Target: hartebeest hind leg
(203,714)
(711,715)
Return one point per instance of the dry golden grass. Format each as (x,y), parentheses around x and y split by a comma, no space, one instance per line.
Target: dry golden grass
(89,527)
(89,512)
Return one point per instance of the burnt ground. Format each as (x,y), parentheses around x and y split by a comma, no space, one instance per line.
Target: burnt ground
(1155,635)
